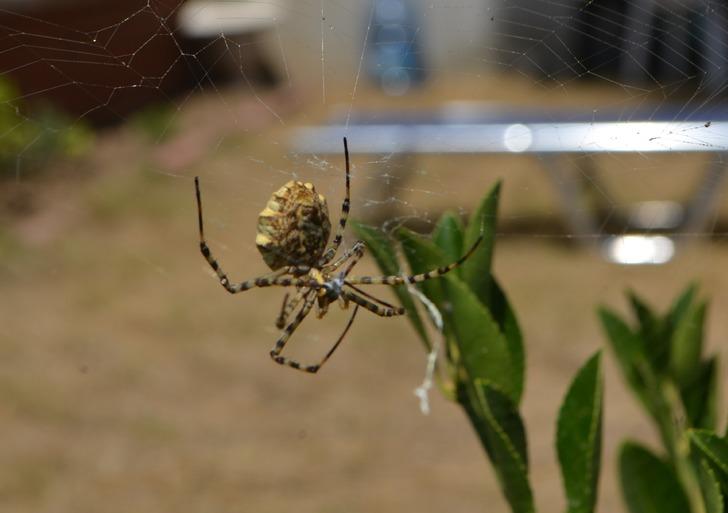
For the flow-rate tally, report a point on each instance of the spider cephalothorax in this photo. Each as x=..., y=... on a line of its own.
x=294, y=226
x=293, y=231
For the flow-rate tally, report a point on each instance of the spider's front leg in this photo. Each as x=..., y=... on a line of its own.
x=356, y=250
x=331, y=252
x=402, y=279
x=276, y=278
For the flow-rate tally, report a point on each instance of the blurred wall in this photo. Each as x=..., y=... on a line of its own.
x=454, y=35
x=102, y=59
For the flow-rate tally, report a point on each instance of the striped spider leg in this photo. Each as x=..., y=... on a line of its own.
x=413, y=278
x=377, y=306
x=275, y=353
x=345, y=206
x=289, y=306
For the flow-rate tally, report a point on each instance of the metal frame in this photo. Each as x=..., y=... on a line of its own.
x=547, y=135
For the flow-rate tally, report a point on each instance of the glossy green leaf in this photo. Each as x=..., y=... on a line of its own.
x=710, y=487
x=579, y=437
x=483, y=349
x=500, y=429
x=687, y=343
x=448, y=236
x=476, y=270
x=381, y=248
x=649, y=484
x=505, y=316
x=714, y=450
x=422, y=256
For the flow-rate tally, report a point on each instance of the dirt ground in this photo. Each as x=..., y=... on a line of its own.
x=130, y=381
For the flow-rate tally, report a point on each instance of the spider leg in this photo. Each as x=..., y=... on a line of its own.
x=358, y=251
x=415, y=278
x=369, y=296
x=346, y=256
x=281, y=319
x=276, y=278
x=275, y=353
x=331, y=252
x=282, y=360
x=322, y=306
x=315, y=368
x=372, y=307
x=289, y=306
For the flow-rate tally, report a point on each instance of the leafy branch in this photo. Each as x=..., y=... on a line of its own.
x=661, y=360
x=484, y=364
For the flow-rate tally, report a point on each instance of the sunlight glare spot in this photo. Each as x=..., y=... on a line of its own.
x=517, y=138
x=639, y=249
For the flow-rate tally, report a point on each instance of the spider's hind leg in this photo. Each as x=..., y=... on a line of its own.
x=281, y=319
x=275, y=353
x=289, y=306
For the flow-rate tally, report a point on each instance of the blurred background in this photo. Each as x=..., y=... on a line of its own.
x=129, y=381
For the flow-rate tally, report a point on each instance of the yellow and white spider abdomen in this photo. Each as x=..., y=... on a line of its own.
x=294, y=226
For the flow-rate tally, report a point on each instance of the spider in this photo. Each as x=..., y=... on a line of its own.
x=292, y=235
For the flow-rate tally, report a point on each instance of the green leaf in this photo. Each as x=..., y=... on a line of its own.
x=500, y=429
x=386, y=257
x=649, y=484
x=483, y=349
x=642, y=311
x=653, y=332
x=476, y=270
x=714, y=450
x=700, y=396
x=422, y=256
x=579, y=437
x=709, y=485
x=448, y=236
x=640, y=375
x=506, y=318
x=687, y=343
x=681, y=305
x=627, y=347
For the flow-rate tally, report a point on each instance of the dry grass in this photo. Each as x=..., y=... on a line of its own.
x=129, y=381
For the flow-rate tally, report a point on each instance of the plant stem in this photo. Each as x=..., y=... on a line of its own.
x=679, y=447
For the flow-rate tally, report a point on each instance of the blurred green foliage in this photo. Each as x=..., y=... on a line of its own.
x=28, y=140
x=661, y=358
x=156, y=122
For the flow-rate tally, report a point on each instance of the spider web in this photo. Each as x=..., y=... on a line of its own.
x=143, y=95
